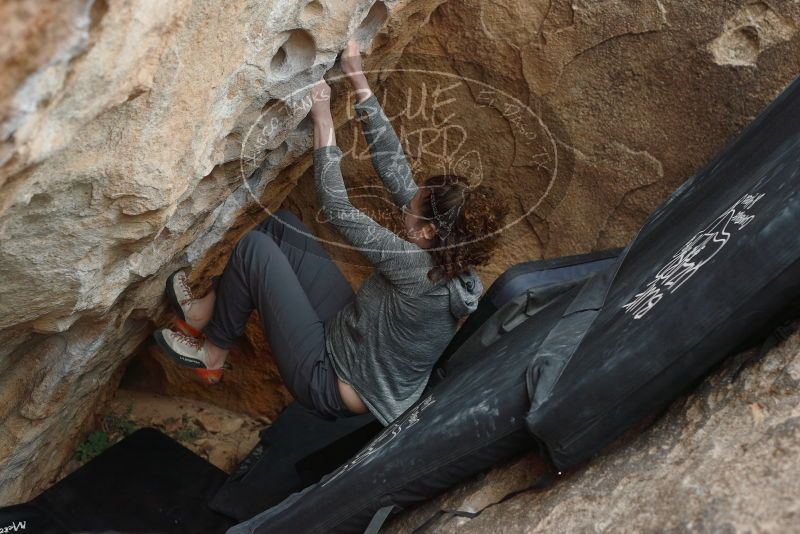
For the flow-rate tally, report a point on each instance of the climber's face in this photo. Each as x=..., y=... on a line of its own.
x=419, y=229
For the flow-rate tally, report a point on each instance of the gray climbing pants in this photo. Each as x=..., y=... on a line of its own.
x=281, y=270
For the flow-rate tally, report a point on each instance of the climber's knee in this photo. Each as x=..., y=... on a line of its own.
x=287, y=217
x=254, y=246
x=281, y=220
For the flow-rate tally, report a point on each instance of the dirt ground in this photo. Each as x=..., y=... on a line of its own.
x=221, y=436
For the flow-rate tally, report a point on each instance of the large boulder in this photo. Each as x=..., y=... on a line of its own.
x=141, y=136
x=134, y=135
x=585, y=114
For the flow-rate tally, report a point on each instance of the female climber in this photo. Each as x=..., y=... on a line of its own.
x=341, y=353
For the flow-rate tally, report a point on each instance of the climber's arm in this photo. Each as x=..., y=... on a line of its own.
x=397, y=259
x=324, y=134
x=393, y=256
x=387, y=153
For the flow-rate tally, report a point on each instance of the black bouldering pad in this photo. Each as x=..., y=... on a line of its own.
x=294, y=452
x=713, y=267
x=529, y=276
x=147, y=482
x=299, y=448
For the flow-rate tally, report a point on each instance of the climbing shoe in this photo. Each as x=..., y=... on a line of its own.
x=179, y=295
x=189, y=351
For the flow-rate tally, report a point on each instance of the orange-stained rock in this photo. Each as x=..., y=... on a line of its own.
x=585, y=115
x=253, y=385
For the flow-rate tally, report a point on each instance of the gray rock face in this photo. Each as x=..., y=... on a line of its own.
x=723, y=459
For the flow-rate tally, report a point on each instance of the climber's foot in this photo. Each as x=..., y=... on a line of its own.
x=203, y=357
x=193, y=314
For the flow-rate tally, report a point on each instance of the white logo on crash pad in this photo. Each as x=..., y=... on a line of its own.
x=693, y=255
x=384, y=438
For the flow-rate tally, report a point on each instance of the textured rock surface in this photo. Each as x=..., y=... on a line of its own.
x=586, y=114
x=130, y=132
x=136, y=135
x=723, y=459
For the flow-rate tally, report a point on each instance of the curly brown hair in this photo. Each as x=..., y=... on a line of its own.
x=468, y=220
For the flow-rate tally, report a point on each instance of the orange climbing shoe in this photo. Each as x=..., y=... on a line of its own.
x=179, y=295
x=191, y=352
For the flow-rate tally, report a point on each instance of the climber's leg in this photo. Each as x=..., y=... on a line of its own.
x=201, y=310
x=327, y=289
x=325, y=286
x=258, y=275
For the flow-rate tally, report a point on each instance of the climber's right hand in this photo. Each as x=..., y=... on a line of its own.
x=351, y=59
x=353, y=68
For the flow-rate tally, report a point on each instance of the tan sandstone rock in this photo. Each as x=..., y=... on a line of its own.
x=584, y=114
x=132, y=136
x=138, y=137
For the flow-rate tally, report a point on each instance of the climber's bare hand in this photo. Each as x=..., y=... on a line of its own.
x=324, y=133
x=320, y=100
x=351, y=59
x=353, y=68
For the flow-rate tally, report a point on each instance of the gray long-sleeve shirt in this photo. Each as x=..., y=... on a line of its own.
x=385, y=343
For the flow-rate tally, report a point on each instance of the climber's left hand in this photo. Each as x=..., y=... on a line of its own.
x=320, y=100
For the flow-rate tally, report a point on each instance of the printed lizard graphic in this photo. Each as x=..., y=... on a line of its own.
x=698, y=251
